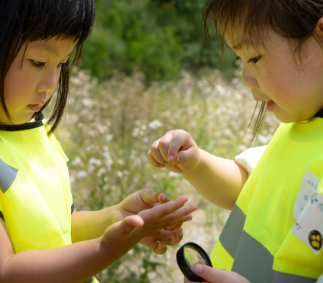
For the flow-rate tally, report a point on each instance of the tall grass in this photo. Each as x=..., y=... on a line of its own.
x=107, y=133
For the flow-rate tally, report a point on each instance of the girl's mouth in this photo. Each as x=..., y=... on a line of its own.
x=34, y=107
x=270, y=105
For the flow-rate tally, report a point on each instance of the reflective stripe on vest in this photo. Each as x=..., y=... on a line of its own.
x=7, y=176
x=251, y=259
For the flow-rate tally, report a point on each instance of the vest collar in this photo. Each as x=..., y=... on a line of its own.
x=28, y=126
x=319, y=114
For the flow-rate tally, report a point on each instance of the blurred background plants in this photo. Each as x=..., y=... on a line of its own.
x=145, y=71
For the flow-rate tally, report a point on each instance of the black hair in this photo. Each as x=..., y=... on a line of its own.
x=24, y=21
x=292, y=19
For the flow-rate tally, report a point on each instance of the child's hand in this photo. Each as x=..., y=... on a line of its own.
x=177, y=151
x=124, y=234
x=157, y=239
x=212, y=275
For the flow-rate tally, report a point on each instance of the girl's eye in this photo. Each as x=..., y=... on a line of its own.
x=254, y=60
x=38, y=64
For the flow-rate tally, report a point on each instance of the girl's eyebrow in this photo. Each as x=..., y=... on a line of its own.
x=238, y=46
x=50, y=49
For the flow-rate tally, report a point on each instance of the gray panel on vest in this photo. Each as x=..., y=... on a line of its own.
x=253, y=260
x=231, y=232
x=280, y=277
x=7, y=175
x=89, y=280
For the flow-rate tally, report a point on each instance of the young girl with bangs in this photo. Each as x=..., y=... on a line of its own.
x=274, y=232
x=42, y=237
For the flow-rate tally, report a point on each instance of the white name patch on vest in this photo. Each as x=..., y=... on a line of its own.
x=308, y=212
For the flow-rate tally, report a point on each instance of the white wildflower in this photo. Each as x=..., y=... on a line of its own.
x=82, y=174
x=94, y=162
x=77, y=161
x=135, y=132
x=108, y=138
x=154, y=125
x=101, y=172
x=119, y=174
x=173, y=174
x=220, y=89
x=87, y=102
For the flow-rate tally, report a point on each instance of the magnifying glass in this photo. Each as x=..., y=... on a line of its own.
x=189, y=255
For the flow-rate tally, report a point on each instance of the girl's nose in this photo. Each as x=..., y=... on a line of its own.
x=48, y=82
x=248, y=80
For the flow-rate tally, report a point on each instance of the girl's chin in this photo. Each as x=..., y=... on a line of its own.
x=16, y=122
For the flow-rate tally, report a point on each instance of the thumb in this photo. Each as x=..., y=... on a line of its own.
x=129, y=223
x=121, y=230
x=187, y=157
x=212, y=275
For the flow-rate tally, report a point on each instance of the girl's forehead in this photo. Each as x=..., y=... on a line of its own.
x=55, y=47
x=238, y=38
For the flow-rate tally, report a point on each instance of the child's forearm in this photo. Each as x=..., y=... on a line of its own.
x=87, y=225
x=218, y=180
x=71, y=264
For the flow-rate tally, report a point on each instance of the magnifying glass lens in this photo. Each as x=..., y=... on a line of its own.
x=189, y=255
x=192, y=257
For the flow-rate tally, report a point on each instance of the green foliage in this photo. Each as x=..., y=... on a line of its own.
x=159, y=37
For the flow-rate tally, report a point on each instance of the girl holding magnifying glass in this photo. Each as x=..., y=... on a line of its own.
x=275, y=230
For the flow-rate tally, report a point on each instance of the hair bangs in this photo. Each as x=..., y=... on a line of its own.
x=58, y=18
x=246, y=18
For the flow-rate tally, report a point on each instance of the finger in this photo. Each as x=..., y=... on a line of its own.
x=162, y=233
x=153, y=161
x=178, y=222
x=154, y=245
x=178, y=141
x=172, y=227
x=148, y=197
x=188, y=281
x=161, y=249
x=156, y=154
x=174, y=240
x=178, y=236
x=154, y=218
x=164, y=144
x=162, y=198
x=175, y=217
x=158, y=212
x=213, y=275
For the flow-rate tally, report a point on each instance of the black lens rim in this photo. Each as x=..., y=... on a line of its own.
x=186, y=270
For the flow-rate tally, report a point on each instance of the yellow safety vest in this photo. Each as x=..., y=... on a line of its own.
x=257, y=241
x=35, y=197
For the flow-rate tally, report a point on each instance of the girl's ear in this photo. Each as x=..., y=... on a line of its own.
x=319, y=29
